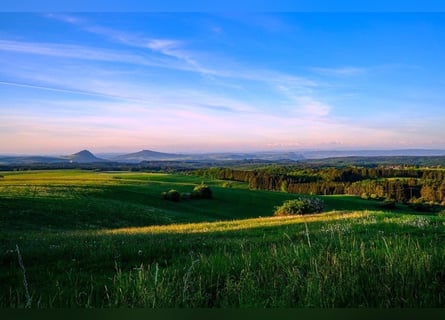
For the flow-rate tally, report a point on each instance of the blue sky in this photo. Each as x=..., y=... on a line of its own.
x=198, y=82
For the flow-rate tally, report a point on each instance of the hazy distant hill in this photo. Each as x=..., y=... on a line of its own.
x=29, y=160
x=149, y=155
x=323, y=154
x=270, y=156
x=84, y=156
x=335, y=157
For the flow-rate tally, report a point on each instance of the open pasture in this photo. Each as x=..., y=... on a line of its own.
x=108, y=239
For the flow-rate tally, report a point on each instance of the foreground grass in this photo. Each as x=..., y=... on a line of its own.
x=337, y=259
x=107, y=240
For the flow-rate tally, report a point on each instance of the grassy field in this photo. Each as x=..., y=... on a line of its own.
x=91, y=239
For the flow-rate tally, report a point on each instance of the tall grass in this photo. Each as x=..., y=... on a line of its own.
x=372, y=260
x=347, y=273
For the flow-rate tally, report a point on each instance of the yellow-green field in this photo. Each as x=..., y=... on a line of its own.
x=96, y=239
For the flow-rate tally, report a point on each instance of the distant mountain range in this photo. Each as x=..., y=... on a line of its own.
x=83, y=156
x=86, y=156
x=29, y=160
x=323, y=154
x=148, y=155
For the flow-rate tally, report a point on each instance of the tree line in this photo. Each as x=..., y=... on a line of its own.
x=402, y=185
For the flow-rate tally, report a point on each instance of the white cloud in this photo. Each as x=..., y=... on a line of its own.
x=303, y=104
x=72, y=51
x=64, y=18
x=171, y=113
x=340, y=72
x=168, y=47
x=314, y=108
x=162, y=45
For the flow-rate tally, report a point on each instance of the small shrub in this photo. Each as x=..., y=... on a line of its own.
x=376, y=197
x=301, y=205
x=202, y=192
x=365, y=196
x=284, y=186
x=171, y=195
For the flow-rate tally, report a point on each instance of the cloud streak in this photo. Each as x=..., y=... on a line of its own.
x=340, y=72
x=62, y=90
x=232, y=71
x=272, y=79
x=157, y=88
x=168, y=47
x=78, y=52
x=173, y=48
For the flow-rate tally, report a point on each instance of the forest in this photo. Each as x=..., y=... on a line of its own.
x=406, y=185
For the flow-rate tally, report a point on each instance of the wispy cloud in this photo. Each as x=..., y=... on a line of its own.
x=303, y=104
x=340, y=71
x=168, y=47
x=314, y=107
x=164, y=100
x=274, y=80
x=62, y=90
x=64, y=18
x=79, y=52
x=161, y=52
x=142, y=110
x=174, y=48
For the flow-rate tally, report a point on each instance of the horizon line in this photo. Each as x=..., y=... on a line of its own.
x=303, y=150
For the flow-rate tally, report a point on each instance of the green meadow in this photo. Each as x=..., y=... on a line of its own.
x=109, y=239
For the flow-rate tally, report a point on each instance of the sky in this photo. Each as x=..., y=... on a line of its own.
x=220, y=81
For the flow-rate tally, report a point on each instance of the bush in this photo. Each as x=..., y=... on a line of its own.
x=171, y=195
x=301, y=205
x=202, y=192
x=365, y=196
x=199, y=192
x=227, y=185
x=374, y=196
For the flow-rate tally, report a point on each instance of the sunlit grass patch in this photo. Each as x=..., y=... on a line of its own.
x=222, y=226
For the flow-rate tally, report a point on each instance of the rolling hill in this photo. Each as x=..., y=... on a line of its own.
x=84, y=156
x=149, y=155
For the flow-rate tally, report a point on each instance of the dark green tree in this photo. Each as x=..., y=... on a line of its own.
x=202, y=192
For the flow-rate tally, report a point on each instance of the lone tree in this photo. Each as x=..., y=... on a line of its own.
x=202, y=192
